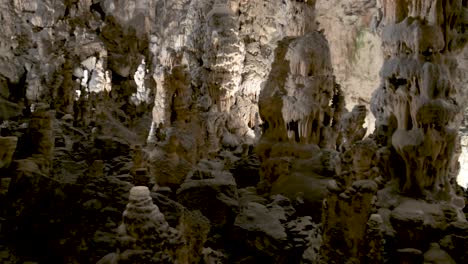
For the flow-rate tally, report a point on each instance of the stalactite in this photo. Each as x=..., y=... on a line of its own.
x=418, y=87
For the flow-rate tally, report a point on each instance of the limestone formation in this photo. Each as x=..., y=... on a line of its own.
x=420, y=94
x=418, y=110
x=236, y=52
x=352, y=28
x=169, y=168
x=301, y=107
x=257, y=223
x=352, y=126
x=229, y=111
x=306, y=234
x=8, y=147
x=349, y=205
x=296, y=101
x=145, y=235
x=211, y=191
x=224, y=62
x=211, y=256
x=437, y=255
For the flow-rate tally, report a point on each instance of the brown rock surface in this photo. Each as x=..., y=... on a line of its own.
x=8, y=147
x=245, y=119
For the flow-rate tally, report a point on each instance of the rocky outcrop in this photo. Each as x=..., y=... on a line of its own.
x=295, y=103
x=8, y=147
x=229, y=112
x=211, y=191
x=144, y=235
x=352, y=29
x=301, y=107
x=41, y=135
x=403, y=178
x=418, y=103
x=349, y=205
x=262, y=230
x=227, y=65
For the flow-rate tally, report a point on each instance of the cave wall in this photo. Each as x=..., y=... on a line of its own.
x=193, y=80
x=105, y=44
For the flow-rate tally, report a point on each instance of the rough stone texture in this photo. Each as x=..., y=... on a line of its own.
x=348, y=206
x=305, y=234
x=353, y=30
x=295, y=103
x=229, y=111
x=8, y=147
x=246, y=171
x=261, y=228
x=144, y=234
x=301, y=106
x=228, y=48
x=419, y=102
x=414, y=150
x=41, y=135
x=211, y=191
x=211, y=256
x=437, y=255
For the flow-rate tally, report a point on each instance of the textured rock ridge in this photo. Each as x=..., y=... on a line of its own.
x=8, y=149
x=220, y=131
x=353, y=29
x=349, y=205
x=301, y=106
x=227, y=64
x=401, y=182
x=296, y=101
x=419, y=104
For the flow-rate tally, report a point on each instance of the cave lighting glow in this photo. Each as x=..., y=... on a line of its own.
x=463, y=175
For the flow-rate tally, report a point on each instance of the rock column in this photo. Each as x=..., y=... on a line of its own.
x=419, y=103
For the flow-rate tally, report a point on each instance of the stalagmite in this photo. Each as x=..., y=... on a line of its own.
x=259, y=147
x=145, y=234
x=418, y=86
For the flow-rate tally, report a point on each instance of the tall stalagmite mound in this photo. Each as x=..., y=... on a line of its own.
x=399, y=196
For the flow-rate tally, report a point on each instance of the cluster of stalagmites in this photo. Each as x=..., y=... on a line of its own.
x=387, y=198
x=413, y=154
x=226, y=47
x=396, y=199
x=419, y=104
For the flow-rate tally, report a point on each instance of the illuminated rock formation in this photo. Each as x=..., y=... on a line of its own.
x=352, y=126
x=245, y=106
x=236, y=54
x=296, y=101
x=352, y=28
x=403, y=186
x=349, y=205
x=419, y=103
x=225, y=59
x=300, y=106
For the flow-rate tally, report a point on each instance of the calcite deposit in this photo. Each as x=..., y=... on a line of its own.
x=418, y=82
x=8, y=149
x=145, y=235
x=233, y=131
x=418, y=110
